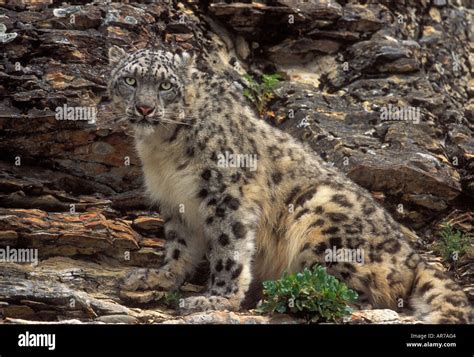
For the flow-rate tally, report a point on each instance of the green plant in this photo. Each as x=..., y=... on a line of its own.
x=312, y=294
x=452, y=244
x=261, y=93
x=171, y=299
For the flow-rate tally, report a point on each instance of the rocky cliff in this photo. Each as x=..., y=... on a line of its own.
x=381, y=89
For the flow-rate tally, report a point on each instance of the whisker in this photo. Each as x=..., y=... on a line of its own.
x=181, y=120
x=120, y=120
x=188, y=120
x=174, y=122
x=166, y=119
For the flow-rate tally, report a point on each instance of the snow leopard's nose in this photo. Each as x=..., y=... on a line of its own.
x=144, y=109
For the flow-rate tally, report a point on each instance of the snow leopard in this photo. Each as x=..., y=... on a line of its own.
x=255, y=201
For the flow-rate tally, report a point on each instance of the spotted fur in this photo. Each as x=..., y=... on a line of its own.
x=255, y=223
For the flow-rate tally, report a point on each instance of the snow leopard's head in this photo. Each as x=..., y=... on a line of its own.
x=149, y=86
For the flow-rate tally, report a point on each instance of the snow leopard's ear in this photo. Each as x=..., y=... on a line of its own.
x=184, y=59
x=116, y=54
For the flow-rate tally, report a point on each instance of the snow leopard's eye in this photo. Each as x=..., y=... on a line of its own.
x=130, y=81
x=165, y=86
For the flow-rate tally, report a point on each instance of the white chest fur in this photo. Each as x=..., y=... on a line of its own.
x=175, y=190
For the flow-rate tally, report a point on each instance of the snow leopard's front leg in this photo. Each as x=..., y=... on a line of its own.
x=183, y=251
x=232, y=233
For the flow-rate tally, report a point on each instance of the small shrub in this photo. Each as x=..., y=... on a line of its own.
x=261, y=93
x=452, y=244
x=312, y=294
x=171, y=299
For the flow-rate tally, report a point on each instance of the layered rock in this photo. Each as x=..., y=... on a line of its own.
x=383, y=91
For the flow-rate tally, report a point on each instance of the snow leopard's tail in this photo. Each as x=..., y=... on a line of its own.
x=437, y=299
